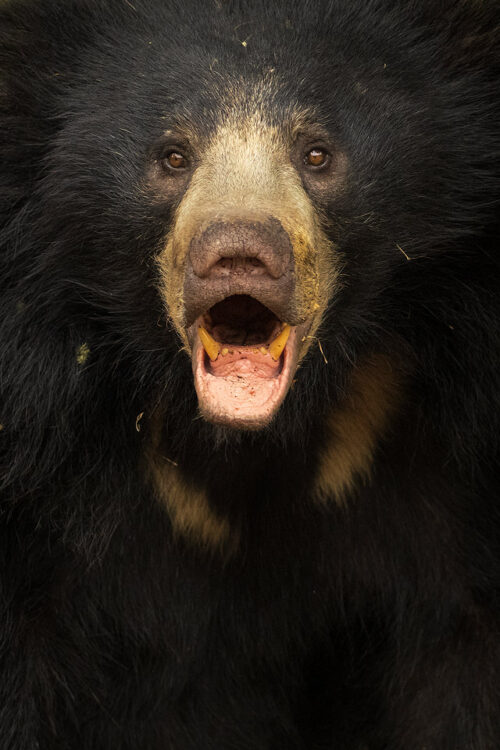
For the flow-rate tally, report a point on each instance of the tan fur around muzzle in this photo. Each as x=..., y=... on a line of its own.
x=245, y=173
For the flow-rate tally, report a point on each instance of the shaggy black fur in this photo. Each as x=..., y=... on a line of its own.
x=373, y=625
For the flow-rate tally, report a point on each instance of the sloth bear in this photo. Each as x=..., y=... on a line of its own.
x=249, y=375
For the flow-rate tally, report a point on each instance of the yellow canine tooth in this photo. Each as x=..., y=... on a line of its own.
x=276, y=347
x=210, y=345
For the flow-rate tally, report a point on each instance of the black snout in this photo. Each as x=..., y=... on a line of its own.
x=239, y=257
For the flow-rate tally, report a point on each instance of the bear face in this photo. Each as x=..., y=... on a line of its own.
x=244, y=134
x=246, y=262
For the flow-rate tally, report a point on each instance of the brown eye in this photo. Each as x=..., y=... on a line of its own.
x=175, y=160
x=316, y=157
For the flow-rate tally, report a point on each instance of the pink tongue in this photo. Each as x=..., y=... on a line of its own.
x=246, y=362
x=244, y=387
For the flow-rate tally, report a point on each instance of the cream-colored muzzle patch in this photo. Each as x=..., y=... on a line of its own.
x=245, y=173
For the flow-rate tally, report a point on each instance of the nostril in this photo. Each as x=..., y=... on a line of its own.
x=238, y=265
x=241, y=248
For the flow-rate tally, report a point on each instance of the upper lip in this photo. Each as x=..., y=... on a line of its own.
x=198, y=299
x=252, y=258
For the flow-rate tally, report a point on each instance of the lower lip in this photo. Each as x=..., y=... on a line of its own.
x=243, y=401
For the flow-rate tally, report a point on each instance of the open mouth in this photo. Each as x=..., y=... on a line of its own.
x=244, y=359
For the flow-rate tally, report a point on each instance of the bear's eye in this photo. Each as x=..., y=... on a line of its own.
x=316, y=157
x=174, y=160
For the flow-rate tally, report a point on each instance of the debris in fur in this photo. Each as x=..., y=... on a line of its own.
x=82, y=354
